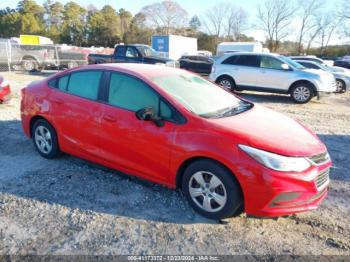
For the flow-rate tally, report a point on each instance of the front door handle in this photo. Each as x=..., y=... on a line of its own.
x=109, y=118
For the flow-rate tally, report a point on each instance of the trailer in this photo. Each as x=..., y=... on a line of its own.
x=174, y=46
x=230, y=47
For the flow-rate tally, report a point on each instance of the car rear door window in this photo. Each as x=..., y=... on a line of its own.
x=120, y=51
x=85, y=84
x=62, y=83
x=231, y=60
x=270, y=63
x=247, y=60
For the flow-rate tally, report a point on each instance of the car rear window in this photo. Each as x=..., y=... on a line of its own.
x=247, y=60
x=85, y=84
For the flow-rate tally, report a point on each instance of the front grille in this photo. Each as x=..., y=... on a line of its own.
x=322, y=179
x=320, y=158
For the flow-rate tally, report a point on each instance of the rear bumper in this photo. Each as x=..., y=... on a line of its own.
x=5, y=95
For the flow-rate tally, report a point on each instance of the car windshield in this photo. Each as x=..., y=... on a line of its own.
x=200, y=96
x=292, y=63
x=147, y=51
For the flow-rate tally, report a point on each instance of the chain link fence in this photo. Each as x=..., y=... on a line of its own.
x=31, y=58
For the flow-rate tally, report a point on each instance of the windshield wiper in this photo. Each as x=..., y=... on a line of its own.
x=229, y=111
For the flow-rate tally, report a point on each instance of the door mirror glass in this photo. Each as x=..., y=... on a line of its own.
x=148, y=114
x=285, y=67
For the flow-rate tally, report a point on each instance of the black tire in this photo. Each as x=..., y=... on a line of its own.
x=341, y=86
x=232, y=190
x=227, y=83
x=30, y=65
x=72, y=64
x=54, y=150
x=302, y=93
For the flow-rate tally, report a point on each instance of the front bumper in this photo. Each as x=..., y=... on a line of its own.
x=269, y=193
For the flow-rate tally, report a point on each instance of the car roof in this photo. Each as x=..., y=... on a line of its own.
x=140, y=70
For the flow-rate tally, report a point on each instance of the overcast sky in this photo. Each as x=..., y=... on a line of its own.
x=193, y=7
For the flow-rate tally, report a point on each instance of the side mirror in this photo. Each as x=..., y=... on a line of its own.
x=285, y=67
x=148, y=114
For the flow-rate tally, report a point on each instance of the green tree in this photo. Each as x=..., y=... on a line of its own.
x=125, y=21
x=10, y=23
x=53, y=19
x=138, y=32
x=32, y=17
x=73, y=26
x=104, y=27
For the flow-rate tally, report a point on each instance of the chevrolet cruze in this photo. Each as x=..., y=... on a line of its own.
x=174, y=128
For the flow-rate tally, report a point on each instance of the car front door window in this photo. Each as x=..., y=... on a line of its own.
x=270, y=63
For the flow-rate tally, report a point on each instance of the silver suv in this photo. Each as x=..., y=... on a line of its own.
x=271, y=73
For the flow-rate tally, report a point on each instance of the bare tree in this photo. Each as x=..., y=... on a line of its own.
x=328, y=22
x=237, y=22
x=308, y=9
x=165, y=16
x=225, y=19
x=274, y=18
x=214, y=18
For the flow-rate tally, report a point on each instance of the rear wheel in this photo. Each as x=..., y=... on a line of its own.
x=211, y=190
x=302, y=93
x=341, y=87
x=30, y=65
x=45, y=139
x=227, y=83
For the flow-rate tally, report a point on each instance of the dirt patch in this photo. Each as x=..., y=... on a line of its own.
x=70, y=206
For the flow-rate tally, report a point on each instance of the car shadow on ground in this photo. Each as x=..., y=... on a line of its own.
x=75, y=183
x=266, y=97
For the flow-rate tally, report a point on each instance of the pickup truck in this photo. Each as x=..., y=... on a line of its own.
x=132, y=54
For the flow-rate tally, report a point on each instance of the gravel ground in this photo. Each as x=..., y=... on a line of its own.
x=70, y=206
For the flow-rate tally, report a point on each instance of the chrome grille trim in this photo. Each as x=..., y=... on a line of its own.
x=322, y=179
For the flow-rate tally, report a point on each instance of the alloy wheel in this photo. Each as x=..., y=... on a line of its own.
x=43, y=140
x=226, y=84
x=207, y=191
x=302, y=93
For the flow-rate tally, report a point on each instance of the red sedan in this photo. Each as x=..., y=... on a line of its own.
x=5, y=90
x=177, y=129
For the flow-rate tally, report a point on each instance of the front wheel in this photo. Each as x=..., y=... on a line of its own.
x=302, y=93
x=211, y=190
x=227, y=83
x=45, y=139
x=30, y=65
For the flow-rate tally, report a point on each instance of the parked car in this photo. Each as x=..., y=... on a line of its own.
x=313, y=59
x=270, y=73
x=175, y=128
x=342, y=63
x=196, y=63
x=132, y=54
x=29, y=57
x=5, y=91
x=342, y=79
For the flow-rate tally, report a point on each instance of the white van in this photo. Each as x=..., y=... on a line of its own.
x=231, y=47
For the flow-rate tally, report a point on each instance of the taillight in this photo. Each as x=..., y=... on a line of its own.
x=4, y=84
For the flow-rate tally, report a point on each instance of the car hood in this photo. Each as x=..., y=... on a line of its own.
x=271, y=131
x=317, y=72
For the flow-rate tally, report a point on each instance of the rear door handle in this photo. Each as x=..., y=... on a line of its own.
x=109, y=118
x=57, y=100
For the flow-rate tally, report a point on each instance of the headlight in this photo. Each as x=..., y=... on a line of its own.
x=213, y=69
x=277, y=162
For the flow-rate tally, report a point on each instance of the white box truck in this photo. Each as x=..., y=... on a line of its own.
x=230, y=47
x=174, y=46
